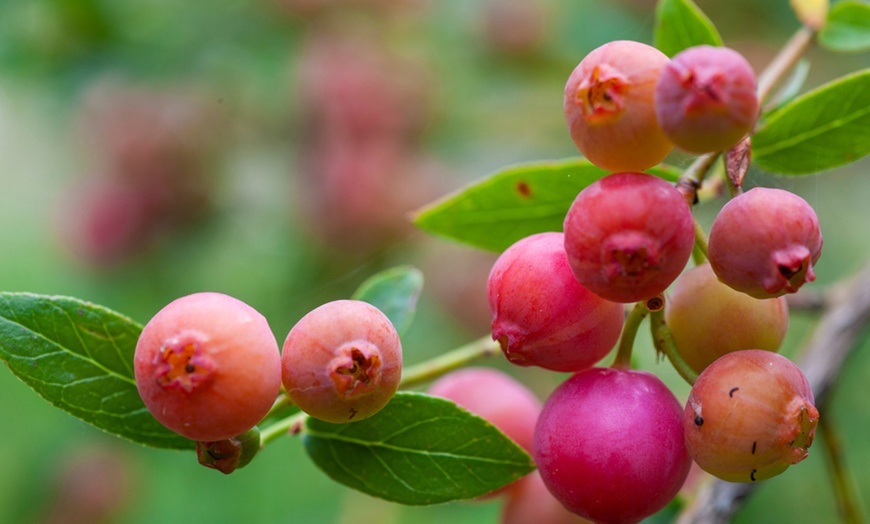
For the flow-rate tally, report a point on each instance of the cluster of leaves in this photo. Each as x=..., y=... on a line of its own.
x=419, y=449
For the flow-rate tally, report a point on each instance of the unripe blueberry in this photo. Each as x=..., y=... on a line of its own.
x=609, y=106
x=628, y=236
x=609, y=444
x=750, y=416
x=342, y=362
x=529, y=501
x=709, y=319
x=706, y=99
x=541, y=315
x=207, y=367
x=765, y=242
x=495, y=396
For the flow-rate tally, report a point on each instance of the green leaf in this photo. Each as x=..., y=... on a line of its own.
x=79, y=357
x=822, y=129
x=395, y=292
x=681, y=24
x=418, y=450
x=847, y=28
x=514, y=203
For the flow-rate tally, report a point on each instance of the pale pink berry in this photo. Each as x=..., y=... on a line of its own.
x=609, y=106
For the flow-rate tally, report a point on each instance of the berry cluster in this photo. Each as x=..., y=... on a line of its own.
x=614, y=444
x=208, y=367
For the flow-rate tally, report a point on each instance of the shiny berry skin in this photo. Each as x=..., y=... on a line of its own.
x=765, y=242
x=342, y=362
x=207, y=366
x=609, y=444
x=541, y=315
x=628, y=236
x=750, y=416
x=609, y=106
x=706, y=99
x=709, y=319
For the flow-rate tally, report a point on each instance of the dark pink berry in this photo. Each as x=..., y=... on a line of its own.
x=706, y=99
x=609, y=106
x=207, y=366
x=342, y=362
x=628, y=236
x=609, y=444
x=765, y=242
x=750, y=416
x=541, y=315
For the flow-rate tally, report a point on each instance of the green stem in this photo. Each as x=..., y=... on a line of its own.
x=457, y=358
x=283, y=401
x=693, y=177
x=664, y=343
x=292, y=424
x=843, y=486
x=699, y=252
x=629, y=333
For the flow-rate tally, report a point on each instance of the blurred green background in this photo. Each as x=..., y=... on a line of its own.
x=272, y=150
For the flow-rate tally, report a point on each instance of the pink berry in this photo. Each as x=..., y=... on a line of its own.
x=541, y=315
x=709, y=319
x=207, y=366
x=342, y=362
x=529, y=501
x=609, y=106
x=495, y=396
x=706, y=99
x=750, y=416
x=628, y=236
x=765, y=242
x=609, y=444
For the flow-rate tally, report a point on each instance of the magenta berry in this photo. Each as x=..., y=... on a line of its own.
x=765, y=242
x=495, y=396
x=628, y=236
x=709, y=319
x=609, y=444
x=342, y=361
x=541, y=315
x=750, y=416
x=609, y=106
x=207, y=366
x=706, y=99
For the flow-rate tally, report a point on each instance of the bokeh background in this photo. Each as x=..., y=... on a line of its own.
x=273, y=150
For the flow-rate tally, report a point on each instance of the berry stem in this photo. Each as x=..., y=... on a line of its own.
x=784, y=61
x=699, y=253
x=843, y=485
x=693, y=177
x=455, y=359
x=629, y=333
x=664, y=343
x=292, y=424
